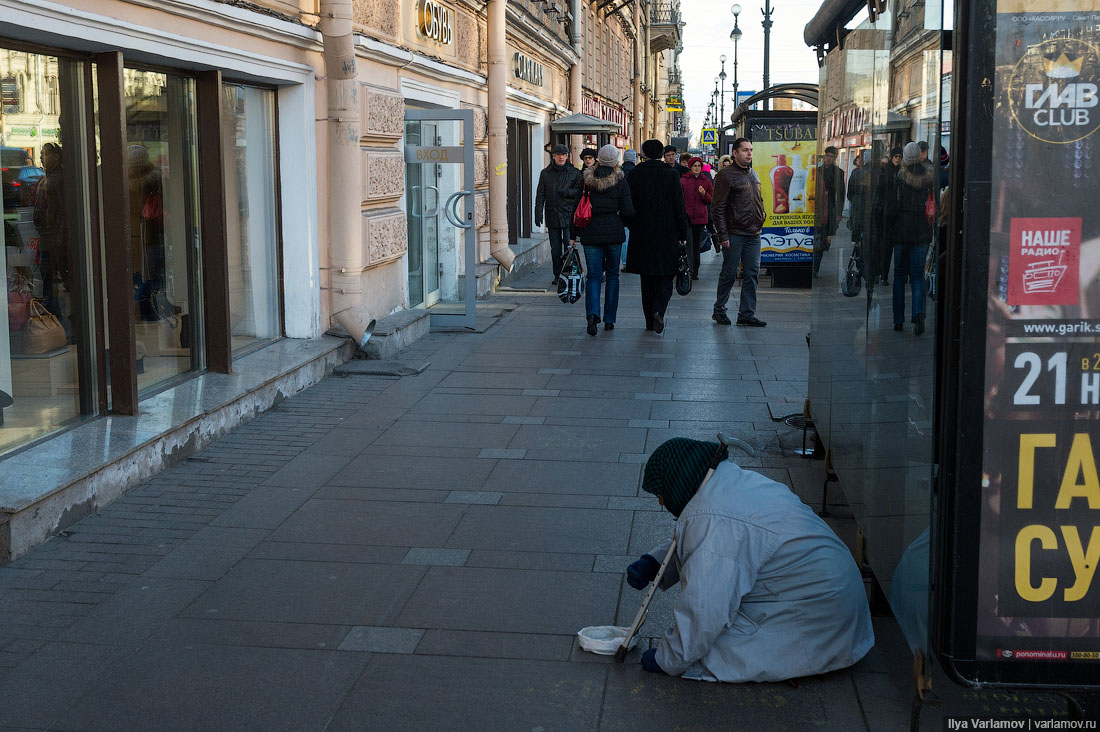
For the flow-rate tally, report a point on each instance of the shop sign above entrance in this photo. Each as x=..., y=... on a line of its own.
x=527, y=69
x=433, y=20
x=434, y=154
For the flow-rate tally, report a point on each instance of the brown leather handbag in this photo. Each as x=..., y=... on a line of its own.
x=43, y=331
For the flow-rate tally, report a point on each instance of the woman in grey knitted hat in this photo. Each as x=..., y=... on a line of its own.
x=604, y=236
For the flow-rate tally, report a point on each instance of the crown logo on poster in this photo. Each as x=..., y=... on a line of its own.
x=1062, y=67
x=1053, y=91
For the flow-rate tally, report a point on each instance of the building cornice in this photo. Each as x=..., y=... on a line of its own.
x=533, y=30
x=240, y=19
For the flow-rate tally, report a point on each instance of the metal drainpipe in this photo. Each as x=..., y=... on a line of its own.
x=344, y=163
x=498, y=136
x=576, y=75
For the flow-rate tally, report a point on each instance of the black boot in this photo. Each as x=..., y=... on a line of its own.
x=918, y=321
x=593, y=321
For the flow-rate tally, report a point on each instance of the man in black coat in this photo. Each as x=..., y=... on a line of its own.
x=659, y=224
x=558, y=193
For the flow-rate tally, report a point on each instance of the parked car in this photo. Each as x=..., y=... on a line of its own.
x=19, y=185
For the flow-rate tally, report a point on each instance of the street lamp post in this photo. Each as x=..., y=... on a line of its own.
x=767, y=23
x=735, y=36
x=722, y=97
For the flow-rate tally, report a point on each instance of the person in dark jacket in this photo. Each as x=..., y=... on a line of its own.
x=859, y=196
x=830, y=201
x=659, y=224
x=911, y=232
x=588, y=158
x=738, y=213
x=698, y=190
x=604, y=235
x=630, y=160
x=883, y=211
x=558, y=192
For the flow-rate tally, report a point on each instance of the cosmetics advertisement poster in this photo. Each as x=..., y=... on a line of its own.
x=1038, y=589
x=784, y=157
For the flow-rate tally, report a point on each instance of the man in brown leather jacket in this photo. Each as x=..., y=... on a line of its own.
x=738, y=215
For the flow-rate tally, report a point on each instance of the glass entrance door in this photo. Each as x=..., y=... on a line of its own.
x=439, y=184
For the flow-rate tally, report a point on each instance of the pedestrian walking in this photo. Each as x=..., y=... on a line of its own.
x=671, y=156
x=660, y=223
x=603, y=237
x=630, y=160
x=859, y=196
x=912, y=233
x=884, y=210
x=738, y=214
x=588, y=158
x=557, y=195
x=698, y=192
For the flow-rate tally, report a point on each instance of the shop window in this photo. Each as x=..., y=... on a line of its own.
x=47, y=357
x=165, y=242
x=248, y=139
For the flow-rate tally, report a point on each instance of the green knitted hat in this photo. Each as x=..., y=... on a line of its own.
x=675, y=470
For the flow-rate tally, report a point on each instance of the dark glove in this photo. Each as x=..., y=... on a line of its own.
x=641, y=573
x=649, y=662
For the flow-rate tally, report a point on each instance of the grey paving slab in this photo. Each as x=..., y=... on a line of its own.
x=381, y=639
x=586, y=406
x=265, y=507
x=343, y=441
x=479, y=644
x=602, y=384
x=427, y=470
x=309, y=592
x=374, y=523
x=429, y=435
x=484, y=498
x=524, y=420
x=473, y=694
x=556, y=500
x=548, y=476
x=587, y=531
x=208, y=554
x=541, y=392
x=218, y=687
x=511, y=601
x=316, y=552
x=565, y=439
x=207, y=631
x=666, y=702
x=308, y=470
x=466, y=380
x=473, y=404
x=498, y=559
x=650, y=529
x=436, y=557
x=136, y=611
x=358, y=493
x=38, y=691
x=504, y=453
x=710, y=411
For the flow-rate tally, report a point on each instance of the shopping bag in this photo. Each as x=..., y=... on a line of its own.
x=571, y=280
x=930, y=209
x=683, y=269
x=853, y=275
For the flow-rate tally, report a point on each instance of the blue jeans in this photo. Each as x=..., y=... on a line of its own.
x=603, y=263
x=743, y=250
x=909, y=260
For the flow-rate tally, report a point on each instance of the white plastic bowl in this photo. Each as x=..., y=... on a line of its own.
x=604, y=639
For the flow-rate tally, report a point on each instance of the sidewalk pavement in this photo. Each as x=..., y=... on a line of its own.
x=418, y=552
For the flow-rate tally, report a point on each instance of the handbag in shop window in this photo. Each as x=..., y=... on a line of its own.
x=43, y=331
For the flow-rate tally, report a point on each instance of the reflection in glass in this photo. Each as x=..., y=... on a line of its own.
x=248, y=137
x=164, y=229
x=872, y=388
x=45, y=360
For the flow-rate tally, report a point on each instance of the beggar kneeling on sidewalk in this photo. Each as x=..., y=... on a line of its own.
x=768, y=591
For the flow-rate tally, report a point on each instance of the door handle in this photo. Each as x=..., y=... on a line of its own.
x=416, y=205
x=435, y=211
x=450, y=210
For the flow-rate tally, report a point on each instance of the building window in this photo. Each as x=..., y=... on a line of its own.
x=47, y=356
x=165, y=240
x=248, y=139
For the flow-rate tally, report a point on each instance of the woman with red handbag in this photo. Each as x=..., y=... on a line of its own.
x=912, y=233
x=606, y=205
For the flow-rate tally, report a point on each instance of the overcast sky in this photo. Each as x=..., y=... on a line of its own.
x=707, y=36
